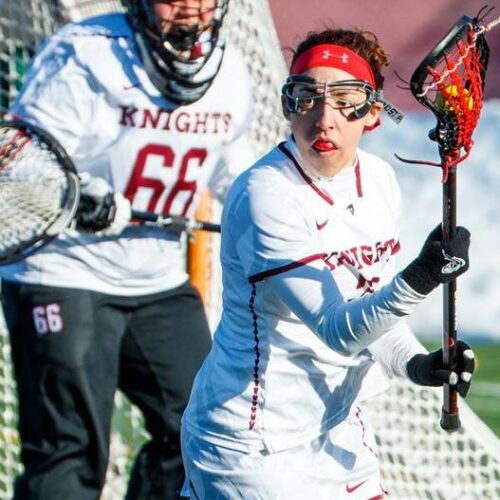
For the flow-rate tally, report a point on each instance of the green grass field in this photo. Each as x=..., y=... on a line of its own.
x=484, y=395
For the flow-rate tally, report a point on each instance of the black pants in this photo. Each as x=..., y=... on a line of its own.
x=71, y=350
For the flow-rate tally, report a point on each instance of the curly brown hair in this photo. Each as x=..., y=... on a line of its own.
x=364, y=43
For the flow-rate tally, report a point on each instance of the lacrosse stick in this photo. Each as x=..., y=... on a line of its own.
x=450, y=82
x=40, y=193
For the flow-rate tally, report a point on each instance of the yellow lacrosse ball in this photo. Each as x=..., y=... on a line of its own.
x=452, y=90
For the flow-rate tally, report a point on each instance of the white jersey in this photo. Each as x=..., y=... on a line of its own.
x=88, y=88
x=295, y=351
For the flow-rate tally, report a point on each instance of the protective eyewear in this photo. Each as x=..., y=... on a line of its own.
x=352, y=97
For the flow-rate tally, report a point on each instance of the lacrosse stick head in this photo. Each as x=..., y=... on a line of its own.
x=39, y=190
x=450, y=82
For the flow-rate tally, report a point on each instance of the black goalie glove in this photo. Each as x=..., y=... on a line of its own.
x=439, y=261
x=428, y=369
x=100, y=210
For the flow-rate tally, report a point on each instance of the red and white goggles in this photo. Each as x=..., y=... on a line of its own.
x=354, y=98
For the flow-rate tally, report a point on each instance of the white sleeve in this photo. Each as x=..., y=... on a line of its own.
x=238, y=154
x=236, y=158
x=311, y=293
x=268, y=235
x=394, y=349
x=54, y=94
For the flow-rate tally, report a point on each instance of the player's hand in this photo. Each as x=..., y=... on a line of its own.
x=428, y=369
x=439, y=261
x=100, y=210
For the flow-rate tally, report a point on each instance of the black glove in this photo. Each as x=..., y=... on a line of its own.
x=100, y=210
x=428, y=369
x=439, y=261
x=95, y=215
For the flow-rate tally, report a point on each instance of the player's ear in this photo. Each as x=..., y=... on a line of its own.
x=372, y=118
x=284, y=108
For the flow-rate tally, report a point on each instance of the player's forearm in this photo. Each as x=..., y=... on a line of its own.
x=346, y=327
x=352, y=326
x=396, y=347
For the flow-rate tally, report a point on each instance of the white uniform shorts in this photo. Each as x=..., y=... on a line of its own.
x=340, y=464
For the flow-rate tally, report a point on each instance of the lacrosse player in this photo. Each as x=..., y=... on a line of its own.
x=313, y=309
x=152, y=107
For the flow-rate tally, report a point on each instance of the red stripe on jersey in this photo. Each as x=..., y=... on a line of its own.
x=308, y=180
x=256, y=381
x=287, y=267
x=363, y=431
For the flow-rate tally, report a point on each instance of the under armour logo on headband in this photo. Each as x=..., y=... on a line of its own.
x=335, y=56
x=327, y=55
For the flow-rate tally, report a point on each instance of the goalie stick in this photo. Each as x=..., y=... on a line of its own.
x=40, y=193
x=450, y=82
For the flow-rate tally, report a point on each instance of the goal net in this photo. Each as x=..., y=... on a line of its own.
x=419, y=460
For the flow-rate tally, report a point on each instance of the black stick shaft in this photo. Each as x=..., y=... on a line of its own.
x=450, y=420
x=174, y=221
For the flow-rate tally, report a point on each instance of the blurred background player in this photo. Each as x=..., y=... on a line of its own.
x=152, y=107
x=312, y=305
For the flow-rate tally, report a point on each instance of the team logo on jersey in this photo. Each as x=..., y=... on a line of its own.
x=364, y=255
x=453, y=265
x=183, y=121
x=350, y=208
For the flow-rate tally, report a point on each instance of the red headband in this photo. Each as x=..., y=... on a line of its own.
x=334, y=56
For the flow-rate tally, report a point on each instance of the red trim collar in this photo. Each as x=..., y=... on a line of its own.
x=308, y=180
x=357, y=172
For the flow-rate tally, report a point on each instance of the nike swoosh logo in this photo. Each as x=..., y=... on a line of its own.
x=350, y=489
x=320, y=226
